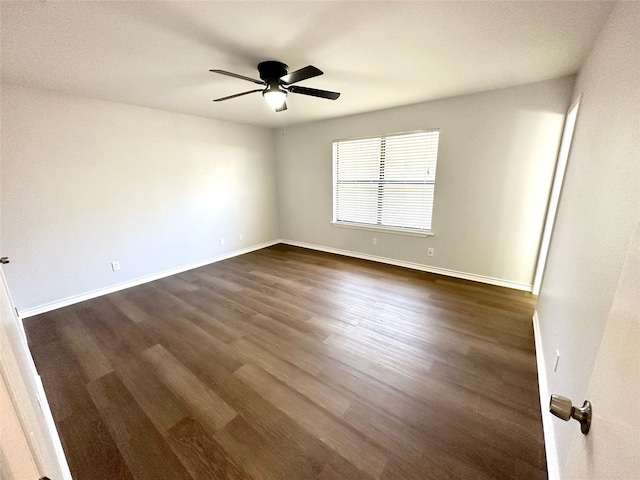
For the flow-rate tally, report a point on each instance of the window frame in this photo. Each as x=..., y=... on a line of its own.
x=415, y=232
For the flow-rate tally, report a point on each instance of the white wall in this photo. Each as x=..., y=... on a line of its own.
x=598, y=214
x=495, y=164
x=87, y=182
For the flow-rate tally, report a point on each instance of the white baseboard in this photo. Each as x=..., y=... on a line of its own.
x=553, y=468
x=415, y=266
x=30, y=312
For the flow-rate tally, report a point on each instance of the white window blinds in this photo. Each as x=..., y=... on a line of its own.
x=386, y=182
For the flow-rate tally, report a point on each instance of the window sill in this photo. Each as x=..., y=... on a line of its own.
x=398, y=231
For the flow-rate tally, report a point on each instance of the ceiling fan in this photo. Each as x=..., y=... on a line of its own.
x=279, y=83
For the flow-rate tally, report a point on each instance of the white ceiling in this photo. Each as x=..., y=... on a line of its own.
x=377, y=54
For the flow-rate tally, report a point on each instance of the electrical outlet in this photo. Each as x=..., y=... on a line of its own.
x=374, y=241
x=429, y=252
x=115, y=266
x=240, y=236
x=222, y=241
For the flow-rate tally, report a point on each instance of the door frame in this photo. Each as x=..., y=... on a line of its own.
x=564, y=151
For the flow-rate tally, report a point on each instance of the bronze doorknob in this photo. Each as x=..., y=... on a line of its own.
x=563, y=408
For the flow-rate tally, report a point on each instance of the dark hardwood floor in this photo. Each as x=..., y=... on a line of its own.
x=287, y=363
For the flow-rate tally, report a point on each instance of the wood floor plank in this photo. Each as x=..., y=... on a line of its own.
x=159, y=404
x=216, y=305
x=201, y=454
x=202, y=319
x=397, y=469
x=128, y=307
x=290, y=364
x=140, y=444
x=453, y=455
x=285, y=447
x=89, y=448
x=383, y=354
x=62, y=378
x=273, y=294
x=183, y=339
x=218, y=282
x=305, y=384
x=366, y=456
x=261, y=304
x=38, y=329
x=180, y=282
x=116, y=334
x=261, y=458
x=282, y=442
x=85, y=348
x=205, y=404
x=267, y=277
x=505, y=429
x=293, y=354
x=494, y=389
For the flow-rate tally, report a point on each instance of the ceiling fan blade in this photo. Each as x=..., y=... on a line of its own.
x=314, y=92
x=235, y=75
x=302, y=74
x=282, y=108
x=237, y=95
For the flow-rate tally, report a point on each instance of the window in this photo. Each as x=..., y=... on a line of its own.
x=386, y=182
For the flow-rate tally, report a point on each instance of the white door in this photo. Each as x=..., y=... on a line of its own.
x=16, y=459
x=29, y=444
x=611, y=450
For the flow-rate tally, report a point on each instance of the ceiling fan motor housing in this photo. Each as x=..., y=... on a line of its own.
x=271, y=71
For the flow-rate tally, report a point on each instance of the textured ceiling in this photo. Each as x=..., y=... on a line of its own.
x=377, y=54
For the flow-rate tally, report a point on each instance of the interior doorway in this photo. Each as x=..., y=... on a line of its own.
x=554, y=196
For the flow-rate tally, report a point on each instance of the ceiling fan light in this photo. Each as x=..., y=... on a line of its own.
x=275, y=97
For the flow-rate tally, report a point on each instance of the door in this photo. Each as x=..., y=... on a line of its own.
x=612, y=448
x=16, y=459
x=30, y=446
